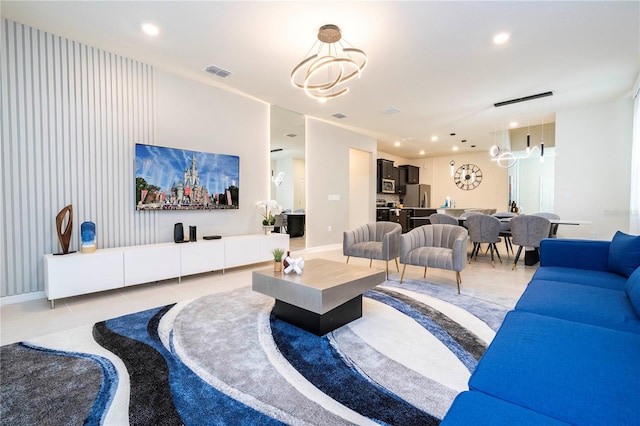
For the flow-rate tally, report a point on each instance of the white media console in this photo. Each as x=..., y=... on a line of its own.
x=106, y=269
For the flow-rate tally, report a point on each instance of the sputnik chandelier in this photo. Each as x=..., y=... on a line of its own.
x=322, y=74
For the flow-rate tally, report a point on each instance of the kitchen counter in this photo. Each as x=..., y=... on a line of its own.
x=458, y=212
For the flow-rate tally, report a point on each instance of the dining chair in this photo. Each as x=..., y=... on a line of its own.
x=505, y=229
x=444, y=219
x=528, y=231
x=484, y=229
x=554, y=226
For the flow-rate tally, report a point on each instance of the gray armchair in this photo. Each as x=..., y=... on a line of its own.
x=379, y=240
x=528, y=231
x=438, y=246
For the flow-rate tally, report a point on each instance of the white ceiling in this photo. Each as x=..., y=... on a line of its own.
x=434, y=61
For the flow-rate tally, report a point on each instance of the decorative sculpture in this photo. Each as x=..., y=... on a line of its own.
x=294, y=265
x=65, y=236
x=88, y=237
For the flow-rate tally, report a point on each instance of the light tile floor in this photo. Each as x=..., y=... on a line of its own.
x=26, y=320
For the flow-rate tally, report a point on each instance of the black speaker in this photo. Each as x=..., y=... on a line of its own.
x=192, y=234
x=178, y=233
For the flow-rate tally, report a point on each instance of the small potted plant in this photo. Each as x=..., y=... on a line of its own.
x=277, y=259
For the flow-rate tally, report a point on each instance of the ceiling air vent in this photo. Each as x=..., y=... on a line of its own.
x=220, y=72
x=338, y=115
x=390, y=111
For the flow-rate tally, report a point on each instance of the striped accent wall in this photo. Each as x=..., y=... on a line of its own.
x=71, y=115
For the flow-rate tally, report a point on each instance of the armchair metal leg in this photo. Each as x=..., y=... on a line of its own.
x=425, y=272
x=458, y=280
x=402, y=276
x=370, y=262
x=397, y=267
x=348, y=259
x=387, y=269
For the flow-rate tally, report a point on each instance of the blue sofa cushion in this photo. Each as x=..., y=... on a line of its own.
x=581, y=276
x=478, y=409
x=632, y=288
x=577, y=373
x=624, y=253
x=571, y=253
x=580, y=303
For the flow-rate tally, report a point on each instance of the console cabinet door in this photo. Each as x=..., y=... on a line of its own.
x=201, y=256
x=81, y=273
x=155, y=262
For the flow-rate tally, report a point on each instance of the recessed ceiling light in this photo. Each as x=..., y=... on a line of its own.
x=150, y=29
x=455, y=148
x=513, y=124
x=396, y=143
x=421, y=152
x=434, y=138
x=501, y=38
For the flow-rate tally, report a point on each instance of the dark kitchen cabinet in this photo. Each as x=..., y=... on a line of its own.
x=396, y=177
x=385, y=169
x=401, y=183
x=412, y=173
x=402, y=217
x=382, y=215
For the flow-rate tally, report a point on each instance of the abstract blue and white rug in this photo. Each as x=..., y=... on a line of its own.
x=224, y=359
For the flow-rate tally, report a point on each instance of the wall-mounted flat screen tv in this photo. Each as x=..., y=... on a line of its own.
x=179, y=179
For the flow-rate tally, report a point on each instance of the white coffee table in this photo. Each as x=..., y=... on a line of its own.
x=327, y=294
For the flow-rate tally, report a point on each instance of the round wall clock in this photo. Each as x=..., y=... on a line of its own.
x=468, y=176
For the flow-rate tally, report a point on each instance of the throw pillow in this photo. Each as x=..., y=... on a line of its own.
x=632, y=288
x=624, y=254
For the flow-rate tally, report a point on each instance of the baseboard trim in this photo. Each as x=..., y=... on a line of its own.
x=322, y=248
x=24, y=297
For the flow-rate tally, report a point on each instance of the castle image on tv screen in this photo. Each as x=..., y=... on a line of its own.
x=178, y=179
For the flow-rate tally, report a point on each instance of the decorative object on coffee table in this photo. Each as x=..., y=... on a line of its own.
x=88, y=237
x=294, y=265
x=64, y=236
x=277, y=259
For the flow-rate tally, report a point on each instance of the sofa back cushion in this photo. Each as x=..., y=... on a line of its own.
x=624, y=254
x=632, y=287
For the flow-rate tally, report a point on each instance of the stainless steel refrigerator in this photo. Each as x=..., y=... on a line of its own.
x=417, y=195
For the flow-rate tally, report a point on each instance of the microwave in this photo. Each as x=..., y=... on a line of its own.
x=389, y=186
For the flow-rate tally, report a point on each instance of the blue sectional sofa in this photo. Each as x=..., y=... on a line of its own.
x=569, y=353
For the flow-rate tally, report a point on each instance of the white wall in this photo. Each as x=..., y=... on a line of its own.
x=192, y=115
x=592, y=177
x=491, y=193
x=359, y=177
x=327, y=163
x=530, y=172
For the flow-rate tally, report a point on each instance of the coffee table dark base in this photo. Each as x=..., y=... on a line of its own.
x=316, y=323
